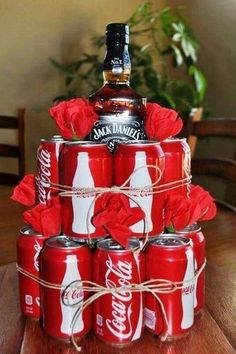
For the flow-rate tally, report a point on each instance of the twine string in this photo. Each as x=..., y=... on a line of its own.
x=153, y=286
x=130, y=192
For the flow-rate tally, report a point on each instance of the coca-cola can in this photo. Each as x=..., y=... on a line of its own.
x=194, y=233
x=85, y=165
x=177, y=171
x=48, y=168
x=65, y=263
x=140, y=166
x=29, y=245
x=118, y=316
x=170, y=257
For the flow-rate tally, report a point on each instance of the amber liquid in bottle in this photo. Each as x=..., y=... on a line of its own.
x=120, y=109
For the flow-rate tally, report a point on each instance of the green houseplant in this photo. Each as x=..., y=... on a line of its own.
x=169, y=47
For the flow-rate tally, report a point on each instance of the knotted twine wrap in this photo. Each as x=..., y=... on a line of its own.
x=69, y=191
x=153, y=286
x=164, y=286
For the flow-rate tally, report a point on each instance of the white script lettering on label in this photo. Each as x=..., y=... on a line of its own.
x=120, y=322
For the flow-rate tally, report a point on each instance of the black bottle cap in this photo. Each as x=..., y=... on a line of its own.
x=117, y=33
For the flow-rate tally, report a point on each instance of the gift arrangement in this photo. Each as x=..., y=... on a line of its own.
x=112, y=242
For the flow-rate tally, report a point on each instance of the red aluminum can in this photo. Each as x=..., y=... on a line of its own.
x=194, y=233
x=177, y=165
x=170, y=257
x=29, y=245
x=118, y=317
x=132, y=159
x=84, y=165
x=62, y=262
x=48, y=167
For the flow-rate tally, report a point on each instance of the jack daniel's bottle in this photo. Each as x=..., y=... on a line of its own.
x=120, y=109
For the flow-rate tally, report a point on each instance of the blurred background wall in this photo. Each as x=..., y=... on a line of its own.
x=31, y=32
x=34, y=30
x=213, y=23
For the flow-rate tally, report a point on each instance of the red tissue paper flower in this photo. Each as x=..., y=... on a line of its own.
x=24, y=192
x=161, y=123
x=205, y=202
x=180, y=211
x=116, y=216
x=74, y=118
x=45, y=219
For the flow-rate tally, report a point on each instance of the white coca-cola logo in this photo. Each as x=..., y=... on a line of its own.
x=37, y=249
x=120, y=323
x=44, y=174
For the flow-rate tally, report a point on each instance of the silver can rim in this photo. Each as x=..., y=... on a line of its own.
x=116, y=247
x=183, y=241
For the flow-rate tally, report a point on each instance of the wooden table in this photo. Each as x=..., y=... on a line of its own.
x=214, y=330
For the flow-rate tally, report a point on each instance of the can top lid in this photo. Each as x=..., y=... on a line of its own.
x=55, y=138
x=29, y=231
x=189, y=228
x=139, y=142
x=170, y=240
x=64, y=242
x=113, y=246
x=173, y=140
x=86, y=143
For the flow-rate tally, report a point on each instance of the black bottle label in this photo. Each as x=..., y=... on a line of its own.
x=113, y=129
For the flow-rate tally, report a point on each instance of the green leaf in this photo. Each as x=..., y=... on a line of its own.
x=183, y=94
x=178, y=55
x=63, y=67
x=151, y=78
x=188, y=49
x=136, y=80
x=200, y=81
x=69, y=79
x=163, y=98
x=170, y=229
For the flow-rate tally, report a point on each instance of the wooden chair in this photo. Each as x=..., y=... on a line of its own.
x=18, y=151
x=223, y=168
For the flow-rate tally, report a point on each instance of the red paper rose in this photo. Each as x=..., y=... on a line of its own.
x=74, y=118
x=161, y=123
x=24, y=192
x=205, y=202
x=45, y=219
x=180, y=211
x=116, y=216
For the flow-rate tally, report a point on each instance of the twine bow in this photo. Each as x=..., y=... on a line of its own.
x=130, y=192
x=153, y=286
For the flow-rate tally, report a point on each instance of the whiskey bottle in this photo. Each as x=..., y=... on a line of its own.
x=120, y=109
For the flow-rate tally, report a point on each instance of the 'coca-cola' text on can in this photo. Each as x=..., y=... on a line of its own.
x=29, y=245
x=170, y=257
x=194, y=233
x=64, y=261
x=118, y=317
x=133, y=160
x=48, y=168
x=177, y=165
x=84, y=165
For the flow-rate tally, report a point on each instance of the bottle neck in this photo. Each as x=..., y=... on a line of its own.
x=117, y=66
